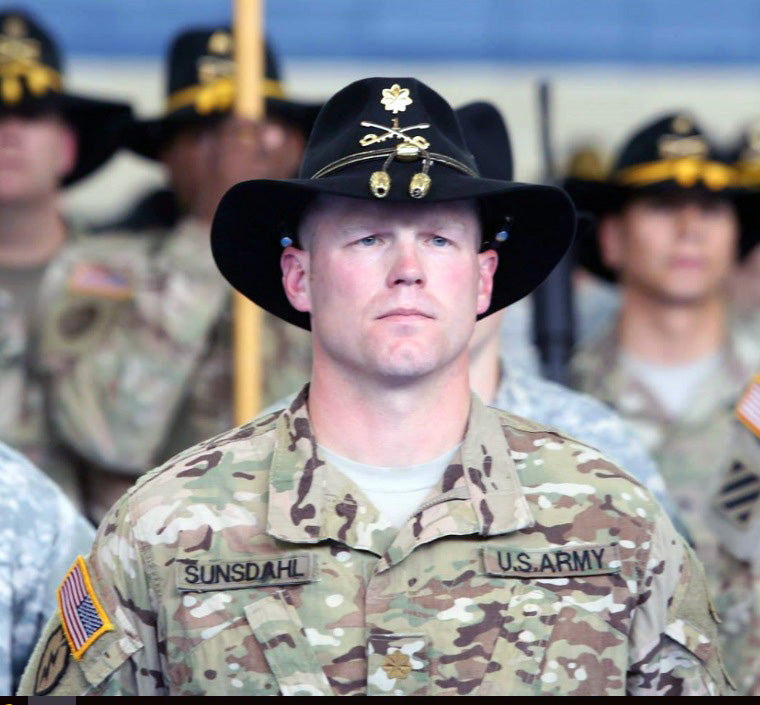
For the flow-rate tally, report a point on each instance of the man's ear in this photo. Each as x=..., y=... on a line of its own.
x=611, y=244
x=295, y=277
x=488, y=261
x=68, y=149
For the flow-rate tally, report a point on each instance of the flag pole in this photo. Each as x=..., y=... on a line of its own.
x=249, y=104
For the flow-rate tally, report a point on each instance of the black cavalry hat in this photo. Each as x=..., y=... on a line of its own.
x=670, y=156
x=200, y=89
x=31, y=83
x=394, y=139
x=487, y=137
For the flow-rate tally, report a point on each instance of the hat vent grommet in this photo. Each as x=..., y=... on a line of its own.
x=503, y=234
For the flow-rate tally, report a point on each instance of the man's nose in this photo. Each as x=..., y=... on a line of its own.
x=691, y=221
x=406, y=266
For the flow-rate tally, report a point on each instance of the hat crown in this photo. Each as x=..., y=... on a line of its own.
x=487, y=137
x=384, y=113
x=669, y=137
x=202, y=55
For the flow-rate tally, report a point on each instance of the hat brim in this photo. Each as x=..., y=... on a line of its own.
x=148, y=138
x=253, y=216
x=99, y=126
x=595, y=199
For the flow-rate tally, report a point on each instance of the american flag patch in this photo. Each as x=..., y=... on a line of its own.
x=748, y=409
x=97, y=280
x=82, y=615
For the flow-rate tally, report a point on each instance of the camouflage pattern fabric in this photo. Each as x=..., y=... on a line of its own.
x=40, y=535
x=581, y=416
x=693, y=453
x=24, y=420
x=536, y=566
x=137, y=347
x=587, y=419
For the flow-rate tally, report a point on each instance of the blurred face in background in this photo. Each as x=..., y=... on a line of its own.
x=205, y=161
x=673, y=249
x=36, y=152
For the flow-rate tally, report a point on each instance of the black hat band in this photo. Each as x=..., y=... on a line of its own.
x=685, y=171
x=380, y=181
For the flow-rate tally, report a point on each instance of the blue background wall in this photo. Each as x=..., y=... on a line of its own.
x=518, y=31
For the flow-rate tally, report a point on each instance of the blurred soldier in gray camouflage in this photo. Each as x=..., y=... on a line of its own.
x=48, y=139
x=387, y=533
x=677, y=360
x=138, y=333
x=40, y=535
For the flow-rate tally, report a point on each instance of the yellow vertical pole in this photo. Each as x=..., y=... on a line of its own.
x=249, y=104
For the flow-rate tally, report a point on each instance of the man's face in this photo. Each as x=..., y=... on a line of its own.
x=393, y=289
x=35, y=154
x=204, y=162
x=676, y=250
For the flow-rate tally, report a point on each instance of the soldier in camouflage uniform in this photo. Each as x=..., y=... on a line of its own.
x=40, y=534
x=49, y=138
x=251, y=565
x=138, y=331
x=678, y=275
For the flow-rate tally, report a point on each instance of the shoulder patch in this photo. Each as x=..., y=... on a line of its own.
x=52, y=664
x=748, y=408
x=82, y=616
x=92, y=279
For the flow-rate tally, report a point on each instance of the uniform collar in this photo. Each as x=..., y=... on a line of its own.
x=479, y=492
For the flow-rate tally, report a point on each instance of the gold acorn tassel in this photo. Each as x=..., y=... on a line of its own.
x=420, y=183
x=380, y=181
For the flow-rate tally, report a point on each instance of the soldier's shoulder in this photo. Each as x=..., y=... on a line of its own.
x=536, y=446
x=229, y=469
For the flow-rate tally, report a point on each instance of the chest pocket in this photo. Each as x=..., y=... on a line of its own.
x=280, y=633
x=550, y=645
x=560, y=635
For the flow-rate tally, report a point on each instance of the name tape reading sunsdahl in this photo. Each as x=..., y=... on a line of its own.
x=267, y=571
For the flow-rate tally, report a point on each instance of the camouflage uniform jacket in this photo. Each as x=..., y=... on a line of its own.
x=137, y=345
x=40, y=534
x=585, y=418
x=24, y=417
x=693, y=453
x=247, y=565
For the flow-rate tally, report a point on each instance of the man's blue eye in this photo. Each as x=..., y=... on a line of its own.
x=439, y=241
x=369, y=240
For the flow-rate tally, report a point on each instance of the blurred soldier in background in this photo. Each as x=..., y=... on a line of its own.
x=745, y=284
x=676, y=361
x=141, y=361
x=48, y=139
x=41, y=535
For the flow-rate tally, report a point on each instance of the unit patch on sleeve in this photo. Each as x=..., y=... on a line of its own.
x=289, y=569
x=561, y=562
x=82, y=616
x=52, y=664
x=748, y=408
